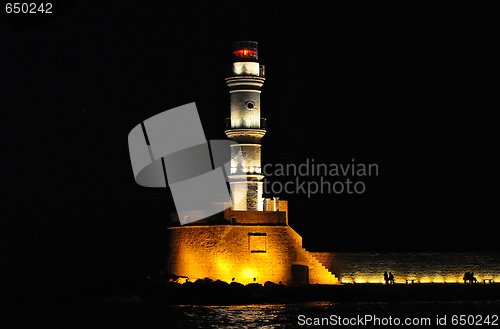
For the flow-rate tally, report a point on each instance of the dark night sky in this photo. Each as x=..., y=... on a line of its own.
x=412, y=88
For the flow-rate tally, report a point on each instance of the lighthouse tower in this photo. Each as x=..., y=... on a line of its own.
x=253, y=241
x=246, y=127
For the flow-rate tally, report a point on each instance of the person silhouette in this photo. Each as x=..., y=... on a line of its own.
x=386, y=278
x=391, y=278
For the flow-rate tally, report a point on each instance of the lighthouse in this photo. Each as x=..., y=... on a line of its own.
x=246, y=127
x=252, y=242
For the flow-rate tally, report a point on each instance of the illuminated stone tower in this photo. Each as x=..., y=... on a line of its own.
x=252, y=242
x=246, y=127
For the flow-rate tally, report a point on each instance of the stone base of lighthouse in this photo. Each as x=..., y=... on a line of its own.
x=244, y=253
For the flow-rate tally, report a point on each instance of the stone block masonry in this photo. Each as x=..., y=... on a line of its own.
x=242, y=253
x=416, y=267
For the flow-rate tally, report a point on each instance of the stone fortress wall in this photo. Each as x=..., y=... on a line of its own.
x=243, y=253
x=419, y=267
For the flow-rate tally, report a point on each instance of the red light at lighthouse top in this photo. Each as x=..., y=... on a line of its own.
x=245, y=51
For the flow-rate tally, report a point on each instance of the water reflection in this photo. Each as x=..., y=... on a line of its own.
x=286, y=315
x=236, y=316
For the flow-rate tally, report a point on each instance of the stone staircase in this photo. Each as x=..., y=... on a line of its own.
x=318, y=273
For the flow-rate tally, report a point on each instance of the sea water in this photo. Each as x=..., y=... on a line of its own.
x=299, y=315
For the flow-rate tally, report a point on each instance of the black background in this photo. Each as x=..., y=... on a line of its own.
x=410, y=87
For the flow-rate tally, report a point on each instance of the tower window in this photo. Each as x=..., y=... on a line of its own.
x=250, y=105
x=257, y=242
